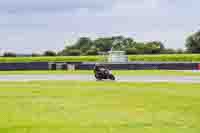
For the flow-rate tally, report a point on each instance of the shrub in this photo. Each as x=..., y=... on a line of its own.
x=131, y=51
x=9, y=54
x=49, y=53
x=150, y=58
x=92, y=52
x=74, y=52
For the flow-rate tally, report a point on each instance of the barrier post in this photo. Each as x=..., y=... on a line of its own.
x=198, y=67
x=71, y=67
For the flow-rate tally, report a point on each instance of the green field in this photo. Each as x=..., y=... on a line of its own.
x=166, y=58
x=122, y=72
x=99, y=107
x=149, y=58
x=52, y=59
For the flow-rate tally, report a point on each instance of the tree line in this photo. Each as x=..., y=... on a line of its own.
x=86, y=46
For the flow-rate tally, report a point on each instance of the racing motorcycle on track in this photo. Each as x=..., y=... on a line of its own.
x=102, y=73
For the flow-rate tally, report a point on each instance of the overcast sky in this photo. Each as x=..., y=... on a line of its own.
x=38, y=25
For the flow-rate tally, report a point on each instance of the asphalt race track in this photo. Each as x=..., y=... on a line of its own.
x=181, y=79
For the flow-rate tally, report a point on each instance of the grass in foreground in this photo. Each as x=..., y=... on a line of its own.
x=125, y=72
x=99, y=107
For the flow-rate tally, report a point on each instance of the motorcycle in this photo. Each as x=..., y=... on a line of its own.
x=104, y=74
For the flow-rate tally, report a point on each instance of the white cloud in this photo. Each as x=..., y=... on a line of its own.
x=137, y=4
x=52, y=5
x=38, y=25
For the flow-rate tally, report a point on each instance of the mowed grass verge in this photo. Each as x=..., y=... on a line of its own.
x=99, y=107
x=145, y=58
x=115, y=72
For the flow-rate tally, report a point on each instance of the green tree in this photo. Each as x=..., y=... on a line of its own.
x=118, y=43
x=140, y=46
x=35, y=55
x=103, y=44
x=193, y=43
x=84, y=44
x=49, y=53
x=9, y=54
x=180, y=51
x=92, y=52
x=129, y=43
x=168, y=51
x=154, y=47
x=131, y=51
x=73, y=52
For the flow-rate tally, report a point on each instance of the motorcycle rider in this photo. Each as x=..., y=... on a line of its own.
x=97, y=68
x=102, y=72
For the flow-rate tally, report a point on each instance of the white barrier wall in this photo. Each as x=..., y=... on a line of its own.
x=117, y=56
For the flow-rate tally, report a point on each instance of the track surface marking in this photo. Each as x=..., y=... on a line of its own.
x=181, y=79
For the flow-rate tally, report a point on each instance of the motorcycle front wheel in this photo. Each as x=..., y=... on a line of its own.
x=111, y=77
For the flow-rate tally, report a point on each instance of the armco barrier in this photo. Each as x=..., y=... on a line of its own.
x=90, y=66
x=24, y=66
x=144, y=66
x=63, y=65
